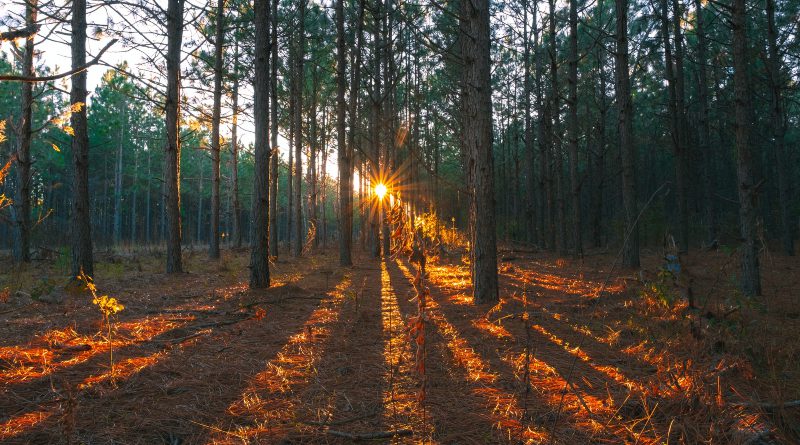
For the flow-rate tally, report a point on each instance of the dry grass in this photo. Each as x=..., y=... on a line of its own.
x=200, y=359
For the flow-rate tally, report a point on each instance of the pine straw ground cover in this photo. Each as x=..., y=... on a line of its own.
x=324, y=356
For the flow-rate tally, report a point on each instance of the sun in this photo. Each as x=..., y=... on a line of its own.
x=380, y=190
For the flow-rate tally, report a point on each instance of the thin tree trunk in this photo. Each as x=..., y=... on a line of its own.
x=134, y=194
x=298, y=132
x=558, y=165
x=219, y=41
x=376, y=120
x=22, y=199
x=172, y=155
x=118, y=174
x=750, y=279
x=704, y=130
x=630, y=256
x=572, y=123
x=779, y=130
x=200, y=184
x=148, y=210
x=259, y=256
x=681, y=179
x=477, y=139
x=273, y=190
x=530, y=224
x=82, y=259
x=235, y=204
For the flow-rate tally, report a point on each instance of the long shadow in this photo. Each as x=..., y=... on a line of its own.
x=198, y=389
x=346, y=391
x=267, y=409
x=550, y=369
x=569, y=334
x=481, y=409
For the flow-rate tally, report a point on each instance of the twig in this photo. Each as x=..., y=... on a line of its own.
x=34, y=79
x=370, y=436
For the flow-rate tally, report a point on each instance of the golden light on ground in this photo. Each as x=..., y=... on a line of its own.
x=507, y=412
x=380, y=190
x=263, y=408
x=401, y=407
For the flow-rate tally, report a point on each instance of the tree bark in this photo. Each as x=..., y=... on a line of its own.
x=750, y=277
x=82, y=259
x=236, y=207
x=273, y=189
x=298, y=133
x=259, y=256
x=572, y=124
x=345, y=157
x=558, y=165
x=704, y=129
x=530, y=224
x=477, y=140
x=219, y=41
x=117, y=234
x=22, y=199
x=172, y=155
x=630, y=254
x=778, y=117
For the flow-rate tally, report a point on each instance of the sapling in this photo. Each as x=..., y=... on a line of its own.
x=107, y=306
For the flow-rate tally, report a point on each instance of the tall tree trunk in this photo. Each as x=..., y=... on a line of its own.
x=82, y=259
x=750, y=279
x=376, y=121
x=22, y=199
x=599, y=162
x=148, y=201
x=236, y=207
x=273, y=169
x=558, y=165
x=134, y=225
x=118, y=174
x=704, y=130
x=313, y=192
x=673, y=69
x=298, y=132
x=172, y=155
x=200, y=184
x=345, y=168
x=259, y=256
x=681, y=172
x=776, y=84
x=630, y=254
x=572, y=123
x=477, y=139
x=219, y=41
x=530, y=225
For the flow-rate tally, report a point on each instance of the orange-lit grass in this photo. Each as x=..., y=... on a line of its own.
x=585, y=411
x=506, y=411
x=399, y=395
x=123, y=369
x=23, y=422
x=265, y=400
x=31, y=362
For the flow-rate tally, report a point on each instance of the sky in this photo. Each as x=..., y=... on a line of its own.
x=54, y=52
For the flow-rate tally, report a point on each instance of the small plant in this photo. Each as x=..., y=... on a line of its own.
x=108, y=306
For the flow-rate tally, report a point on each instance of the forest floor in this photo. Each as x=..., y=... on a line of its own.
x=575, y=353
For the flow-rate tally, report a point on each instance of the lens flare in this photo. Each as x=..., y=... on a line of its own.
x=380, y=190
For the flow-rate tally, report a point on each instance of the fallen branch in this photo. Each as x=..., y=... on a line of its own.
x=340, y=422
x=370, y=436
x=769, y=406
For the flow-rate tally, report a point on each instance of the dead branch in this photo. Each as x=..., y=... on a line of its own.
x=35, y=79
